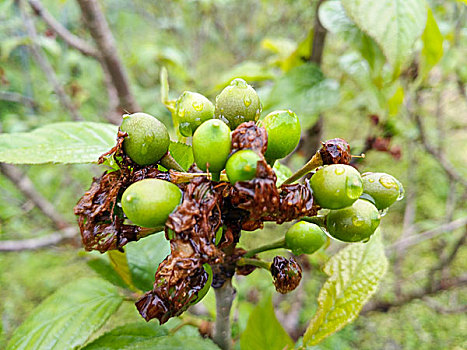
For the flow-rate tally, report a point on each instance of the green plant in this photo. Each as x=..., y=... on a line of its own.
x=211, y=146
x=192, y=109
x=336, y=186
x=304, y=238
x=149, y=202
x=238, y=103
x=284, y=131
x=383, y=189
x=241, y=166
x=355, y=223
x=148, y=139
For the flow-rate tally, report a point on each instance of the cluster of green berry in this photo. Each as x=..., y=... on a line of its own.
x=231, y=186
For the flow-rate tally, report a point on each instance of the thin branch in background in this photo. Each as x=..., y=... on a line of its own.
x=423, y=236
x=113, y=115
x=71, y=39
x=39, y=242
x=448, y=168
x=18, y=98
x=27, y=188
x=45, y=65
x=102, y=35
x=409, y=217
x=440, y=308
x=384, y=306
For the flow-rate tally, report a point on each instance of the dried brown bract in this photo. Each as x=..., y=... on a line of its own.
x=335, y=151
x=179, y=279
x=250, y=136
x=286, y=273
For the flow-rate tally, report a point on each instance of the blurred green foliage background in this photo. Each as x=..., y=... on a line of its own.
x=206, y=43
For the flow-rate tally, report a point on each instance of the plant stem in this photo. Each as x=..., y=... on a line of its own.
x=255, y=262
x=313, y=163
x=270, y=246
x=224, y=298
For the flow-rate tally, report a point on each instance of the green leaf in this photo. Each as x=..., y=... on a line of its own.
x=144, y=257
x=248, y=70
x=302, y=50
x=129, y=336
x=263, y=330
x=432, y=44
x=119, y=263
x=333, y=17
x=148, y=336
x=354, y=274
x=101, y=265
x=66, y=142
x=67, y=318
x=306, y=91
x=282, y=171
x=393, y=24
x=396, y=101
x=182, y=153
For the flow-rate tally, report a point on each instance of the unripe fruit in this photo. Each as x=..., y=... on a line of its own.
x=149, y=202
x=237, y=103
x=336, y=186
x=383, y=188
x=284, y=130
x=353, y=224
x=148, y=139
x=241, y=166
x=211, y=145
x=304, y=238
x=192, y=110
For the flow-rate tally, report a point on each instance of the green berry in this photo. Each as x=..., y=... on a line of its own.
x=148, y=139
x=304, y=238
x=336, y=186
x=241, y=166
x=355, y=223
x=238, y=103
x=284, y=130
x=149, y=202
x=383, y=188
x=211, y=145
x=192, y=110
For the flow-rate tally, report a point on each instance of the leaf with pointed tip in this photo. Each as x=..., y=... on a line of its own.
x=263, y=330
x=67, y=318
x=182, y=153
x=66, y=143
x=393, y=24
x=354, y=275
x=432, y=44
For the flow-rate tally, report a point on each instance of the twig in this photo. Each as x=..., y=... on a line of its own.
x=418, y=294
x=222, y=332
x=448, y=168
x=274, y=245
x=71, y=39
x=18, y=98
x=105, y=42
x=423, y=236
x=38, y=242
x=27, y=188
x=45, y=65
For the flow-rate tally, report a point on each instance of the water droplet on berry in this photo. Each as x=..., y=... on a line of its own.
x=371, y=180
x=197, y=106
x=401, y=192
x=353, y=187
x=383, y=212
x=357, y=221
x=181, y=112
x=247, y=101
x=185, y=129
x=339, y=170
x=388, y=182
